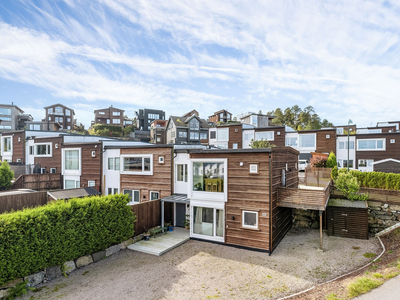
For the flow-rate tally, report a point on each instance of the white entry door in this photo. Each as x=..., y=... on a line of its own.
x=181, y=179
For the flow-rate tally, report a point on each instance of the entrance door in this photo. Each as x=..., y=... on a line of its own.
x=180, y=214
x=181, y=179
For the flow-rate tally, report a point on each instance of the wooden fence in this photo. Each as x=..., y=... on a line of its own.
x=38, y=182
x=19, y=201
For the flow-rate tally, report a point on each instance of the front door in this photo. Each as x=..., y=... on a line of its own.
x=180, y=214
x=181, y=179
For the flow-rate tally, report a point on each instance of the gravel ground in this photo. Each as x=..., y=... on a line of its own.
x=201, y=270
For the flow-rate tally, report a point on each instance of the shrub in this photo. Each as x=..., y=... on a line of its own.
x=331, y=161
x=334, y=173
x=36, y=238
x=261, y=144
x=377, y=180
x=6, y=175
x=318, y=161
x=348, y=185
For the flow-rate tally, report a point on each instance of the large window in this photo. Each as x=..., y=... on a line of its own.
x=194, y=135
x=213, y=134
x=250, y=219
x=71, y=160
x=71, y=184
x=203, y=135
x=183, y=134
x=181, y=173
x=223, y=134
x=134, y=196
x=194, y=124
x=58, y=110
x=153, y=116
x=371, y=144
x=116, y=113
x=5, y=119
x=307, y=140
x=67, y=112
x=34, y=126
x=363, y=163
x=291, y=141
x=43, y=150
x=208, y=221
x=138, y=165
x=208, y=176
x=343, y=145
x=5, y=111
x=116, y=121
x=7, y=144
x=5, y=126
x=269, y=136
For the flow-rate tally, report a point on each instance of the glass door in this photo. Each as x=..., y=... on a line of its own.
x=208, y=223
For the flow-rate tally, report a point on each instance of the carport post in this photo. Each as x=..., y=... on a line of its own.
x=162, y=213
x=320, y=231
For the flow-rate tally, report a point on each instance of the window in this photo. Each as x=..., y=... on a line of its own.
x=234, y=146
x=5, y=111
x=213, y=134
x=58, y=110
x=250, y=219
x=328, y=136
x=138, y=165
x=183, y=134
x=153, y=116
x=111, y=163
x=116, y=121
x=247, y=136
x=68, y=119
x=363, y=163
x=5, y=119
x=5, y=126
x=269, y=136
x=134, y=196
x=339, y=130
x=223, y=134
x=343, y=145
x=208, y=221
x=34, y=126
x=91, y=183
x=254, y=121
x=30, y=150
x=161, y=159
x=194, y=135
x=203, y=135
x=194, y=124
x=58, y=119
x=154, y=195
x=7, y=144
x=53, y=170
x=158, y=137
x=307, y=140
x=67, y=113
x=43, y=150
x=345, y=163
x=101, y=113
x=371, y=144
x=116, y=165
x=181, y=173
x=392, y=141
x=71, y=160
x=253, y=168
x=291, y=141
x=42, y=170
x=19, y=160
x=116, y=191
x=108, y=121
x=116, y=113
x=71, y=184
x=109, y=191
x=208, y=176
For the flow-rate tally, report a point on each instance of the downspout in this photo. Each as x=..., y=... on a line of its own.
x=270, y=204
x=101, y=169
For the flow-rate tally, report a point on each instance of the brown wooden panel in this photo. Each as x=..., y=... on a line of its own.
x=326, y=141
x=21, y=201
x=18, y=147
x=348, y=222
x=55, y=160
x=148, y=215
x=235, y=136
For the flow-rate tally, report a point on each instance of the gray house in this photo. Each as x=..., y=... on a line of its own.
x=187, y=129
x=12, y=118
x=144, y=118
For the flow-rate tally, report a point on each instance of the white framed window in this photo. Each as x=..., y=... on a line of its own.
x=19, y=160
x=181, y=173
x=116, y=191
x=42, y=170
x=7, y=144
x=339, y=130
x=161, y=159
x=223, y=134
x=291, y=141
x=101, y=112
x=109, y=191
x=371, y=144
x=307, y=140
x=134, y=196
x=194, y=135
x=203, y=135
x=392, y=141
x=53, y=170
x=253, y=168
x=343, y=145
x=250, y=219
x=116, y=113
x=116, y=164
x=154, y=195
x=213, y=134
x=137, y=164
x=43, y=149
x=91, y=183
x=111, y=163
x=71, y=184
x=208, y=176
x=328, y=136
x=344, y=162
x=234, y=146
x=93, y=153
x=267, y=135
x=363, y=163
x=71, y=163
x=116, y=121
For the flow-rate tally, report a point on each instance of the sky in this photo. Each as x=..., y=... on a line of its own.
x=341, y=57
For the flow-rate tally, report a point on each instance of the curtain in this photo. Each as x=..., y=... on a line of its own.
x=198, y=220
x=72, y=160
x=220, y=222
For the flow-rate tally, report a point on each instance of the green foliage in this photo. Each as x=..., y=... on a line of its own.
x=128, y=129
x=362, y=285
x=107, y=130
x=261, y=144
x=18, y=290
x=318, y=161
x=6, y=175
x=36, y=238
x=332, y=296
x=331, y=161
x=377, y=180
x=334, y=173
x=299, y=119
x=349, y=186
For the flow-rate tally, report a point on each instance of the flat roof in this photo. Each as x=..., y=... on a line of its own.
x=17, y=192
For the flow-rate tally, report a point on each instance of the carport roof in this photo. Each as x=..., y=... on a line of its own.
x=177, y=198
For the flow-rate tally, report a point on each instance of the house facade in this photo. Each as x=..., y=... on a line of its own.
x=222, y=116
x=12, y=118
x=60, y=114
x=109, y=116
x=187, y=129
x=158, y=132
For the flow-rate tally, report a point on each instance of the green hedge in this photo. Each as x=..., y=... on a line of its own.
x=45, y=236
x=376, y=180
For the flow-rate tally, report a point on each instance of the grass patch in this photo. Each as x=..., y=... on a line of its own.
x=332, y=297
x=391, y=275
x=369, y=255
x=377, y=275
x=362, y=285
x=356, y=248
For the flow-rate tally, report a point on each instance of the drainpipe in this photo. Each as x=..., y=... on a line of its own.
x=270, y=204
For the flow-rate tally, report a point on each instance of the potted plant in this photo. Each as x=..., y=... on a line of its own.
x=146, y=234
x=187, y=222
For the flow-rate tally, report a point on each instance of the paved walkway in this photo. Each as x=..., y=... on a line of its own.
x=390, y=290
x=163, y=242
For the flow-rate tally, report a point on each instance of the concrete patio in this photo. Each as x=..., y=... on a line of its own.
x=163, y=242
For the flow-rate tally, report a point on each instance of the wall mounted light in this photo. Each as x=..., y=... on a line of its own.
x=19, y=139
x=56, y=145
x=241, y=164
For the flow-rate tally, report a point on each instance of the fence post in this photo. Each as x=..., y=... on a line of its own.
x=317, y=176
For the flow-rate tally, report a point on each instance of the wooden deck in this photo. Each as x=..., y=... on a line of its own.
x=304, y=197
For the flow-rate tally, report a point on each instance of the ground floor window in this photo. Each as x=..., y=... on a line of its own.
x=363, y=163
x=250, y=219
x=208, y=221
x=134, y=196
x=91, y=183
x=154, y=195
x=71, y=184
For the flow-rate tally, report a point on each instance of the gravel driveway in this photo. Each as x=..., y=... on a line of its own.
x=201, y=270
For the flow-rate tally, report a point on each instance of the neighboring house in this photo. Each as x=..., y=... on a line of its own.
x=388, y=165
x=187, y=129
x=144, y=118
x=158, y=133
x=111, y=116
x=273, y=134
x=43, y=126
x=222, y=116
x=307, y=141
x=12, y=118
x=226, y=136
x=231, y=195
x=256, y=120
x=61, y=114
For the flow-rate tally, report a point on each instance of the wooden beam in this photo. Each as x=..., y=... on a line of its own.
x=320, y=231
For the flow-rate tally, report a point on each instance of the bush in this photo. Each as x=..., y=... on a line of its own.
x=6, y=175
x=261, y=144
x=318, y=161
x=349, y=186
x=45, y=236
x=334, y=173
x=331, y=161
x=377, y=180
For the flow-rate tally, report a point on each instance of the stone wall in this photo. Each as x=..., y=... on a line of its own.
x=382, y=215
x=305, y=218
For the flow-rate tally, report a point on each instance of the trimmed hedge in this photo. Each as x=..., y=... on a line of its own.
x=45, y=236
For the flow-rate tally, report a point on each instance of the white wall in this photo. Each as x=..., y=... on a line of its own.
x=341, y=154
x=181, y=187
x=246, y=143
x=112, y=177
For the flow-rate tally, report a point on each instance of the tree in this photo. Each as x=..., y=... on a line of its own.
x=331, y=161
x=347, y=183
x=261, y=144
x=6, y=175
x=318, y=161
